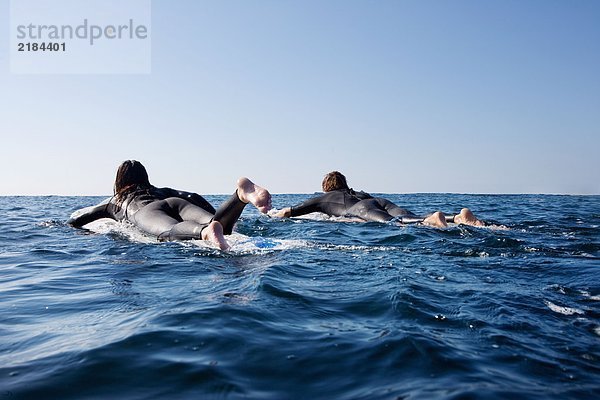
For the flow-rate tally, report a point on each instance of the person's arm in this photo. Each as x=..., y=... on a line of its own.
x=89, y=214
x=312, y=205
x=193, y=198
x=306, y=207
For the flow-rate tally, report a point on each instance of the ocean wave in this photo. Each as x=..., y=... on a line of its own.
x=304, y=308
x=563, y=310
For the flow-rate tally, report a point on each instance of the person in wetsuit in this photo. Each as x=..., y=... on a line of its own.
x=171, y=214
x=339, y=200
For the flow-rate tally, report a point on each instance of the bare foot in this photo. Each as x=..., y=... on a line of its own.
x=214, y=233
x=437, y=219
x=248, y=192
x=466, y=217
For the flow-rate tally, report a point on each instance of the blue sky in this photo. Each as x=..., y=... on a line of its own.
x=401, y=96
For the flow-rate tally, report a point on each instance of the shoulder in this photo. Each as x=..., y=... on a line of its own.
x=361, y=194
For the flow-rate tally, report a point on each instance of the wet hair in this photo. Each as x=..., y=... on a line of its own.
x=131, y=177
x=334, y=181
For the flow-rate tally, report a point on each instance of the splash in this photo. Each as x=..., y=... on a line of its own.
x=563, y=310
x=108, y=226
x=240, y=244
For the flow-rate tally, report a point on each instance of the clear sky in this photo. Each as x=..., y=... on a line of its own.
x=401, y=96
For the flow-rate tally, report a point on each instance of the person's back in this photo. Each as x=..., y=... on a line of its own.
x=334, y=203
x=137, y=199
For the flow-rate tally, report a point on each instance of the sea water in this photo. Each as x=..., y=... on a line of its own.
x=305, y=308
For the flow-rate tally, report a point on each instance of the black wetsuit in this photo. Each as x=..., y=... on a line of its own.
x=166, y=213
x=348, y=203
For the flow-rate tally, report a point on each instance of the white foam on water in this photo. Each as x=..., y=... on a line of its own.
x=240, y=244
x=105, y=226
x=531, y=249
x=318, y=216
x=494, y=227
x=563, y=310
x=589, y=296
x=343, y=247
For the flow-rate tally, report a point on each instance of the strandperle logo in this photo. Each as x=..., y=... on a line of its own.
x=80, y=37
x=84, y=31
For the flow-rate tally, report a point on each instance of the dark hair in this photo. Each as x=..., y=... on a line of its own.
x=334, y=181
x=131, y=177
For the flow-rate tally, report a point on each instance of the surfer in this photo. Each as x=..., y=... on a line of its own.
x=171, y=214
x=339, y=200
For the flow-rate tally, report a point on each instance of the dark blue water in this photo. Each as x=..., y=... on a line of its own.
x=333, y=311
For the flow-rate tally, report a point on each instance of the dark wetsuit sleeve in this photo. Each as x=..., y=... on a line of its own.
x=193, y=198
x=307, y=207
x=334, y=203
x=90, y=214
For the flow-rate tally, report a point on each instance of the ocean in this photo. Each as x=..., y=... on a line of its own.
x=305, y=308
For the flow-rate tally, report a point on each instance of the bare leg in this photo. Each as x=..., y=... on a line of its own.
x=437, y=219
x=248, y=192
x=214, y=233
x=466, y=217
